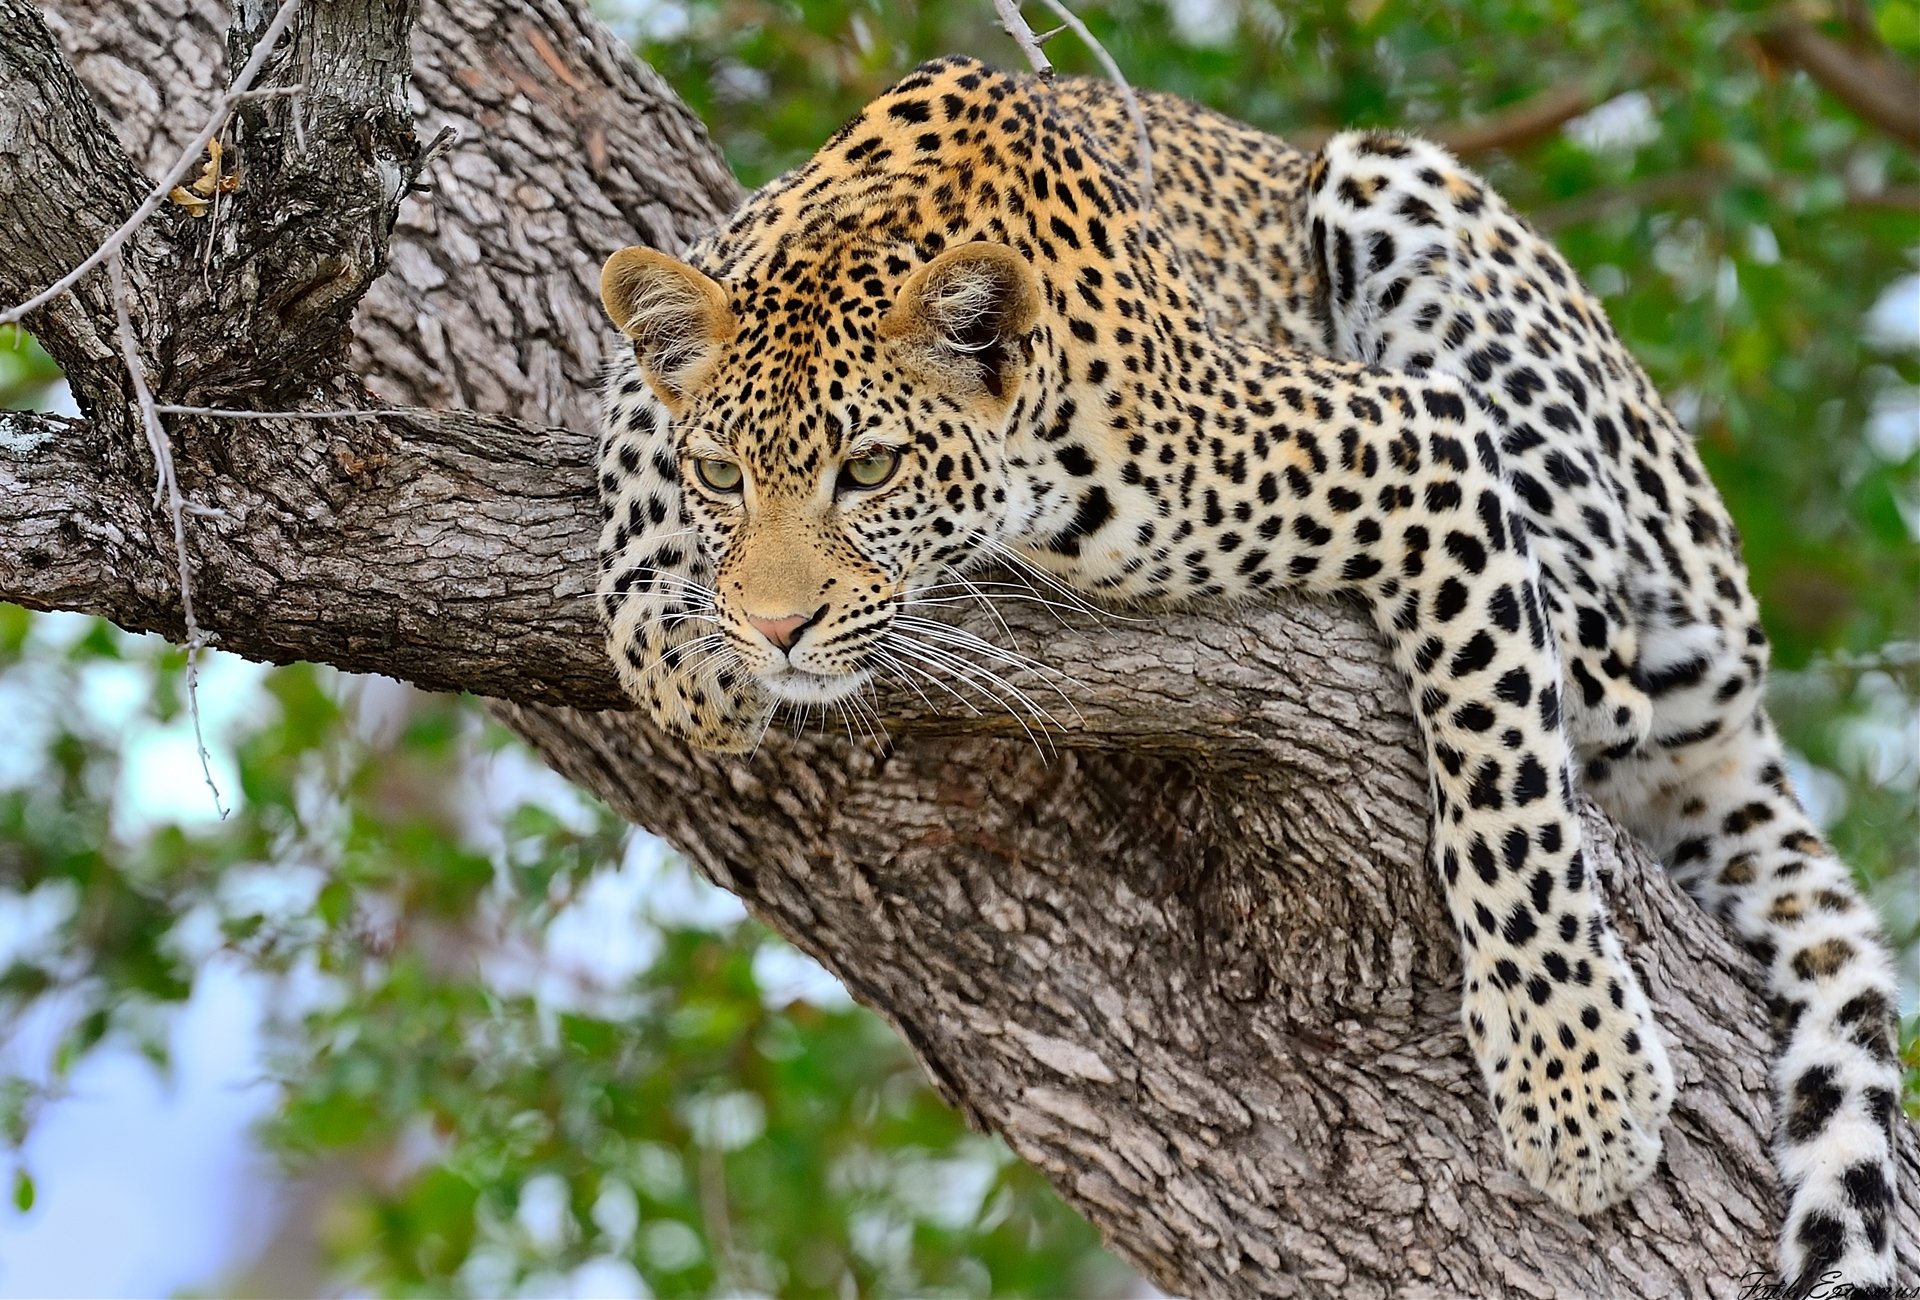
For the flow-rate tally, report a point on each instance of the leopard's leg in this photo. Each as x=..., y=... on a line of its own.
x=1423, y=268
x=656, y=586
x=1392, y=486
x=1564, y=1035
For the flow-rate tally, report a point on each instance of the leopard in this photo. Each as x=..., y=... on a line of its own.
x=965, y=334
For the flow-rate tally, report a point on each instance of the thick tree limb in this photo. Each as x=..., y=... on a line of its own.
x=451, y=549
x=1193, y=966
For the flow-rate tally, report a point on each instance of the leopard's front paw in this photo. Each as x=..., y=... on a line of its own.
x=1579, y=1079
x=723, y=716
x=733, y=727
x=712, y=708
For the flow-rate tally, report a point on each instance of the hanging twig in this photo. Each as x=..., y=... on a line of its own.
x=166, y=491
x=189, y=156
x=222, y=413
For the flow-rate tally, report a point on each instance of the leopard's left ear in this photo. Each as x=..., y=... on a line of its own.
x=965, y=318
x=676, y=316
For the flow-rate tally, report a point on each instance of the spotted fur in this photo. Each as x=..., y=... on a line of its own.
x=1356, y=371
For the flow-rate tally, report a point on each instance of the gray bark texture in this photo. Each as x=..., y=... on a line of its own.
x=1187, y=958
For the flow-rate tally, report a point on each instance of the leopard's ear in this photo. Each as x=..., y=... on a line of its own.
x=966, y=317
x=676, y=316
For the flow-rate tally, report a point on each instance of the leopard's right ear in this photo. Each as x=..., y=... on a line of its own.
x=964, y=318
x=676, y=316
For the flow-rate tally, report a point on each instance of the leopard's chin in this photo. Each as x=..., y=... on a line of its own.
x=798, y=686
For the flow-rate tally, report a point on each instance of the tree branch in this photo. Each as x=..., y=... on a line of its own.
x=1014, y=25
x=451, y=549
x=1525, y=123
x=1516, y=126
x=1870, y=84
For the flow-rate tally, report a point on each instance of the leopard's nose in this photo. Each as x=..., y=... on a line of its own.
x=784, y=631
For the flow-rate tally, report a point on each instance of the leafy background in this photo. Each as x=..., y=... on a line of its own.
x=496, y=1041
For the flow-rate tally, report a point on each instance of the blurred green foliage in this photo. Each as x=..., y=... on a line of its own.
x=504, y=1114
x=27, y=373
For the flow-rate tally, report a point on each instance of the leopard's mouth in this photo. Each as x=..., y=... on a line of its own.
x=801, y=686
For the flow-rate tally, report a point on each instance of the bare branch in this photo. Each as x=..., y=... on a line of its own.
x=1516, y=126
x=1014, y=25
x=174, y=174
x=437, y=148
x=420, y=545
x=223, y=413
x=1872, y=85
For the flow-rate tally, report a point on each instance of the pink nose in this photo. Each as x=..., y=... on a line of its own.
x=783, y=632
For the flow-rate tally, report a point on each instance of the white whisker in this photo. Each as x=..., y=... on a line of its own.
x=889, y=661
x=1027, y=566
x=1017, y=594
x=870, y=705
x=959, y=636
x=982, y=679
x=917, y=671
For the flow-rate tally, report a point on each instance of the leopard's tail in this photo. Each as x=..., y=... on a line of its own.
x=1735, y=836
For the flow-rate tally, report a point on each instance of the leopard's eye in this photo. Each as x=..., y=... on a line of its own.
x=720, y=475
x=870, y=470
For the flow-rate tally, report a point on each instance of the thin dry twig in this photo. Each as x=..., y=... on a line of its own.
x=437, y=148
x=189, y=157
x=166, y=490
x=1014, y=25
x=1143, y=143
x=213, y=223
x=223, y=413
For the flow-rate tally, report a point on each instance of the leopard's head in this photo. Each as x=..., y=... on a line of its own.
x=839, y=416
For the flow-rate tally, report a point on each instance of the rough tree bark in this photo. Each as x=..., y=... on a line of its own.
x=1189, y=961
